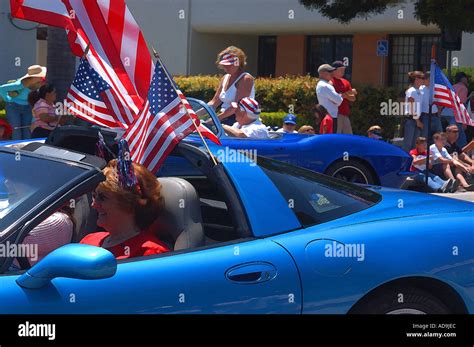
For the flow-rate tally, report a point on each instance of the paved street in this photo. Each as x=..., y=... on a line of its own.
x=468, y=196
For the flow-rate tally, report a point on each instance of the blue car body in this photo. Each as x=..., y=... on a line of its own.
x=387, y=165
x=278, y=265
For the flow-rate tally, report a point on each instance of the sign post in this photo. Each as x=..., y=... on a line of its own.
x=382, y=51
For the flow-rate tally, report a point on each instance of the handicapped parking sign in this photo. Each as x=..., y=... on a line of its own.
x=382, y=48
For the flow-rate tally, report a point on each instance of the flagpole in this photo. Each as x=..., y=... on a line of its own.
x=157, y=56
x=430, y=113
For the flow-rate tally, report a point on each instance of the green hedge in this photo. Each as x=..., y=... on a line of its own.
x=278, y=96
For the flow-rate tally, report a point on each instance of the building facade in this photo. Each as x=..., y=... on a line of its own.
x=280, y=37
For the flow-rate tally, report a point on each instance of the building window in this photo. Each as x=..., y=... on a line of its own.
x=412, y=52
x=327, y=49
x=267, y=56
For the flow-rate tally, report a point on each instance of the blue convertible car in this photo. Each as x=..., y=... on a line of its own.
x=351, y=158
x=247, y=237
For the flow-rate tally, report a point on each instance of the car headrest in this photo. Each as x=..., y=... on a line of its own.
x=183, y=211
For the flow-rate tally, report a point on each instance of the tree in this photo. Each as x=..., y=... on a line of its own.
x=61, y=61
x=454, y=15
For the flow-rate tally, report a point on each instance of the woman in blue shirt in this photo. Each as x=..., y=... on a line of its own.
x=15, y=95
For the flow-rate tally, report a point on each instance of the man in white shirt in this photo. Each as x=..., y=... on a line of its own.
x=248, y=124
x=325, y=92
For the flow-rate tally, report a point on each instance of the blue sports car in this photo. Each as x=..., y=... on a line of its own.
x=352, y=158
x=249, y=235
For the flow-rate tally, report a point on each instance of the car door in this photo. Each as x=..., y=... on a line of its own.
x=251, y=276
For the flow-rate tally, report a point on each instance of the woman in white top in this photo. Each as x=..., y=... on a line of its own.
x=413, y=103
x=235, y=85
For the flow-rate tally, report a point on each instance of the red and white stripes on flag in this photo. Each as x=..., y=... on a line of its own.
x=118, y=51
x=90, y=98
x=443, y=96
x=90, y=110
x=163, y=122
x=152, y=138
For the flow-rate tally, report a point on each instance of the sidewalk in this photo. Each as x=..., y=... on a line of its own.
x=467, y=196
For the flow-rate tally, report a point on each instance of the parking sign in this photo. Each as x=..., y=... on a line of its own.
x=382, y=48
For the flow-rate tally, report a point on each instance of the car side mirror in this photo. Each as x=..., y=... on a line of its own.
x=70, y=261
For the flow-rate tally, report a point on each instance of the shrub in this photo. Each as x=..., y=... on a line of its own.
x=2, y=113
x=275, y=119
x=365, y=112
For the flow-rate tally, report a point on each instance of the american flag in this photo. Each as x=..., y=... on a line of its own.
x=90, y=98
x=443, y=94
x=118, y=51
x=162, y=123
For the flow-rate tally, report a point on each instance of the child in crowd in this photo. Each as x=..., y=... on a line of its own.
x=306, y=129
x=444, y=164
x=435, y=183
x=5, y=130
x=324, y=119
x=375, y=132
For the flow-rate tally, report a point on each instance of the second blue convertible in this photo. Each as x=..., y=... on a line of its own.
x=246, y=237
x=351, y=158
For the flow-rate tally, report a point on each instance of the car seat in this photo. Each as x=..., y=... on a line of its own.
x=181, y=220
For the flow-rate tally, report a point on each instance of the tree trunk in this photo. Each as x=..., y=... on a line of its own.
x=61, y=61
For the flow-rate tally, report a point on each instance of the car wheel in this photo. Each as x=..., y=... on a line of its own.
x=398, y=300
x=351, y=171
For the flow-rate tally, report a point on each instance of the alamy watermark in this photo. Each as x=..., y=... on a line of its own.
x=399, y=108
x=11, y=250
x=229, y=155
x=339, y=250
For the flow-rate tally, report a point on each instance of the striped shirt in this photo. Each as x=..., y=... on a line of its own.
x=42, y=107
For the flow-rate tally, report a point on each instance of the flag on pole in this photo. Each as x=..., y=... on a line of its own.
x=443, y=94
x=118, y=51
x=91, y=99
x=163, y=122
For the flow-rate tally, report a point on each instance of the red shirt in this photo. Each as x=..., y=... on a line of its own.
x=145, y=243
x=414, y=152
x=342, y=85
x=327, y=123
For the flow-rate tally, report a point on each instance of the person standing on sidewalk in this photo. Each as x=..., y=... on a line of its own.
x=462, y=91
x=343, y=87
x=413, y=103
x=325, y=92
x=436, y=126
x=15, y=94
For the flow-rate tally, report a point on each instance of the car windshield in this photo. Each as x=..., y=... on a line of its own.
x=25, y=181
x=316, y=198
x=204, y=116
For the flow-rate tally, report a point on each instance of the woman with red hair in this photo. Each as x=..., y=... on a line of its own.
x=128, y=203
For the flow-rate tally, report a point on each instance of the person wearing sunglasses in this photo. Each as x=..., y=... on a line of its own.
x=127, y=209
